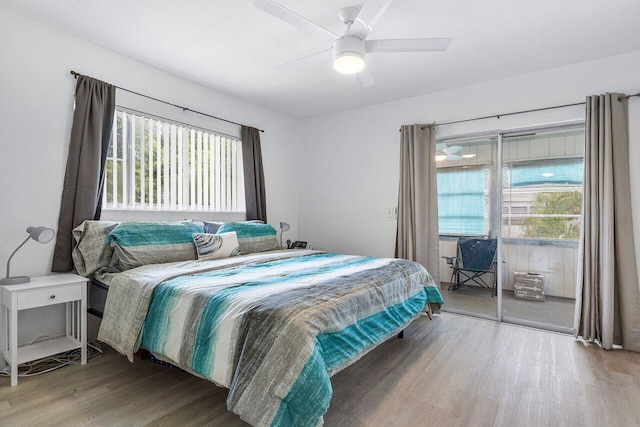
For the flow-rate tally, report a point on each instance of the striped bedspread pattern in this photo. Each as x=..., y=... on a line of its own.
x=261, y=329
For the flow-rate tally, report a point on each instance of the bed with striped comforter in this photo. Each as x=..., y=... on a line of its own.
x=272, y=327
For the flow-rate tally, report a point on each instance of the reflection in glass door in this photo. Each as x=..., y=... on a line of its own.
x=541, y=207
x=466, y=212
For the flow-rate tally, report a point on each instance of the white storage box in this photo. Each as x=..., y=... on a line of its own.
x=528, y=286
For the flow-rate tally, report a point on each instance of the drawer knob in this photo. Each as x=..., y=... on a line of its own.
x=52, y=296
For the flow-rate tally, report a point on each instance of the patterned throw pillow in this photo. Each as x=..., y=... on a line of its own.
x=252, y=237
x=152, y=242
x=216, y=246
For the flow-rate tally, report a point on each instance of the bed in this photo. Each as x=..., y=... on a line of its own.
x=271, y=326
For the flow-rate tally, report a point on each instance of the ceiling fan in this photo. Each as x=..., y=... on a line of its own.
x=444, y=152
x=348, y=50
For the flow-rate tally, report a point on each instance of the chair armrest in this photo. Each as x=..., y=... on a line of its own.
x=452, y=260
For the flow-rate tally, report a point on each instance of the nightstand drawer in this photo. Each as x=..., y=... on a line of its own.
x=49, y=296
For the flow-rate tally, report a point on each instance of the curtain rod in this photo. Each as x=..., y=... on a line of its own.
x=76, y=75
x=497, y=116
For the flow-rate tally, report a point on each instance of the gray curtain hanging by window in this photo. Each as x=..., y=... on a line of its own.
x=256, y=202
x=607, y=298
x=417, y=235
x=84, y=176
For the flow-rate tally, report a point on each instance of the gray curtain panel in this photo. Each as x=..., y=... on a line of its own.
x=84, y=177
x=253, y=174
x=417, y=236
x=607, y=299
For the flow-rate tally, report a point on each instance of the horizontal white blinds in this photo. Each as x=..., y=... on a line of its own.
x=155, y=164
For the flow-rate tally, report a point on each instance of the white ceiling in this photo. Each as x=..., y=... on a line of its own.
x=233, y=47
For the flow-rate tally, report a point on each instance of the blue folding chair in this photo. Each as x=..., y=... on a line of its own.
x=475, y=258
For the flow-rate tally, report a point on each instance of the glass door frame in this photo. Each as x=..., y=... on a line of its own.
x=498, y=191
x=480, y=139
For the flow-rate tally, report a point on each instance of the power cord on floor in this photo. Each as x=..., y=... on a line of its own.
x=51, y=363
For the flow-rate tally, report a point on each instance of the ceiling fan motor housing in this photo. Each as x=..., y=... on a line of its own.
x=348, y=48
x=348, y=44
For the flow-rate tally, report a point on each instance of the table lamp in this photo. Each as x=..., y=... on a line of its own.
x=39, y=234
x=284, y=226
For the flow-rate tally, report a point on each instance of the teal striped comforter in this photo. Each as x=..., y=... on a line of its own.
x=271, y=327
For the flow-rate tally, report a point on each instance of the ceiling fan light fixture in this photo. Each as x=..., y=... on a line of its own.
x=348, y=55
x=348, y=63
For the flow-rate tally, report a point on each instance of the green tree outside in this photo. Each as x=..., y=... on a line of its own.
x=562, y=202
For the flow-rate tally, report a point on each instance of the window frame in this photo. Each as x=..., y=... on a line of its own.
x=183, y=176
x=496, y=199
x=540, y=240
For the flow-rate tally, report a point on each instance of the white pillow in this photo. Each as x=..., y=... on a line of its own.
x=216, y=246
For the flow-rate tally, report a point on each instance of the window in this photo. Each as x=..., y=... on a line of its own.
x=463, y=200
x=543, y=198
x=542, y=185
x=156, y=164
x=464, y=187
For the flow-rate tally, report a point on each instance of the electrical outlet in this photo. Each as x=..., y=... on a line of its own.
x=392, y=213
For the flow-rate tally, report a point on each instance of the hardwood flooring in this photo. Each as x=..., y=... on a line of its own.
x=452, y=371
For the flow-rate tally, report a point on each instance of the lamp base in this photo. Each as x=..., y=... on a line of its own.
x=15, y=280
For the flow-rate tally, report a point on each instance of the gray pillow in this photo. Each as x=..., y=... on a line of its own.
x=211, y=227
x=92, y=252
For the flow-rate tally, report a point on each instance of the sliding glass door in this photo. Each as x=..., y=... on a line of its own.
x=466, y=205
x=542, y=202
x=523, y=194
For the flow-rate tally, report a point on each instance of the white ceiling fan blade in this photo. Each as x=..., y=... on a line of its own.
x=453, y=157
x=306, y=60
x=365, y=78
x=441, y=146
x=284, y=14
x=407, y=45
x=453, y=149
x=372, y=11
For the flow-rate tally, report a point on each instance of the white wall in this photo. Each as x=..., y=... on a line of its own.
x=351, y=158
x=36, y=107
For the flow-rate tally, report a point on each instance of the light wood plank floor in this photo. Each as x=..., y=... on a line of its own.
x=452, y=371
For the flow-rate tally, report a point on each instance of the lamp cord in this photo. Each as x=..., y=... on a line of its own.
x=14, y=252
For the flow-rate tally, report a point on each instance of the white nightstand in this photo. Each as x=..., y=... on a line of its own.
x=68, y=289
